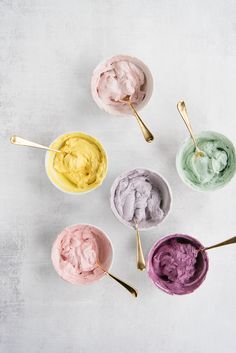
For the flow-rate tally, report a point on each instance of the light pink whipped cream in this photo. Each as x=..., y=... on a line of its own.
x=117, y=78
x=120, y=79
x=76, y=252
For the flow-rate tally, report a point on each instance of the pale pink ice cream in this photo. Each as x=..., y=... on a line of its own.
x=117, y=78
x=76, y=252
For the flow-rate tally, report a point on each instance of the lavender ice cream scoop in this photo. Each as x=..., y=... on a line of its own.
x=176, y=265
x=140, y=196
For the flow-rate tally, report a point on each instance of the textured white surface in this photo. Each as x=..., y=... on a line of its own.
x=48, y=50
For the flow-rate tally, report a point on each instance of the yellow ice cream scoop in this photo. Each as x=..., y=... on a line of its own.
x=82, y=165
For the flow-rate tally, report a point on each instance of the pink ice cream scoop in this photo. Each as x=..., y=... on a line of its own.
x=118, y=77
x=77, y=251
x=176, y=265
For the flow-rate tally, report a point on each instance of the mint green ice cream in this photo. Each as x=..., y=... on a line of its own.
x=212, y=171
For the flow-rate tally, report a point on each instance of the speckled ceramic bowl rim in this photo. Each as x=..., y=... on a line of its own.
x=73, y=192
x=113, y=188
x=112, y=253
x=161, y=241
x=180, y=172
x=139, y=106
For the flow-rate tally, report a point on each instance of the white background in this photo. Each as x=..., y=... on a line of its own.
x=48, y=50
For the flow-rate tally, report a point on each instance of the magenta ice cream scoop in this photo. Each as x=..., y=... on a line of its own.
x=176, y=265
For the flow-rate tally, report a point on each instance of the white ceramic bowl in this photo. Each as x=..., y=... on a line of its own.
x=202, y=269
x=55, y=179
x=163, y=187
x=106, y=261
x=123, y=110
x=187, y=146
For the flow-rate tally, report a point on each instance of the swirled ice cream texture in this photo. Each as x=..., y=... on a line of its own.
x=80, y=166
x=176, y=264
x=137, y=200
x=215, y=168
x=76, y=252
x=119, y=77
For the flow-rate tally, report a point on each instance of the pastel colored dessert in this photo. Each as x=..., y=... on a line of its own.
x=118, y=77
x=176, y=265
x=76, y=252
x=82, y=165
x=212, y=171
x=140, y=196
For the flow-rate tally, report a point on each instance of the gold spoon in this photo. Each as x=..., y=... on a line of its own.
x=226, y=242
x=140, y=258
x=132, y=290
x=16, y=140
x=146, y=132
x=183, y=112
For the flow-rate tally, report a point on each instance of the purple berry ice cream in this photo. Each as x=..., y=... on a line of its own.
x=176, y=264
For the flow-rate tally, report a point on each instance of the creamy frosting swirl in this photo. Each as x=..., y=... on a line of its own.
x=79, y=251
x=81, y=166
x=215, y=168
x=119, y=79
x=176, y=264
x=138, y=200
x=76, y=254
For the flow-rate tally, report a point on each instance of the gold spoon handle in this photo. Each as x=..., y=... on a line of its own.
x=184, y=114
x=146, y=132
x=132, y=290
x=16, y=140
x=226, y=242
x=140, y=258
